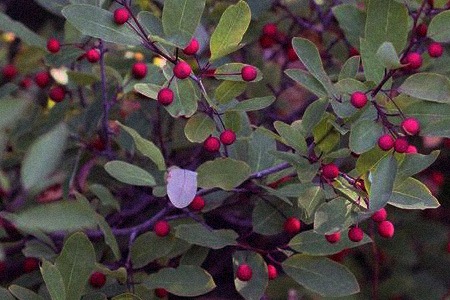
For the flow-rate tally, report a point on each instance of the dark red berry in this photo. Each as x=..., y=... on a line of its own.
x=435, y=50
x=244, y=272
x=192, y=48
x=292, y=225
x=93, y=55
x=291, y=55
x=333, y=238
x=57, y=93
x=26, y=83
x=165, y=96
x=121, y=16
x=53, y=45
x=42, y=79
x=355, y=234
x=161, y=293
x=197, y=204
x=437, y=177
x=353, y=52
x=330, y=171
x=266, y=42
x=161, y=228
x=182, y=70
x=211, y=144
x=421, y=30
x=9, y=72
x=270, y=29
x=30, y=264
x=139, y=70
x=249, y=73
x=97, y=280
x=227, y=137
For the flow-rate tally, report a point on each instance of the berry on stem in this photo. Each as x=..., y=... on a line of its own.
x=57, y=93
x=211, y=144
x=165, y=96
x=411, y=126
x=270, y=30
x=30, y=264
x=97, y=280
x=330, y=171
x=161, y=228
x=93, y=55
x=435, y=50
x=197, y=204
x=42, y=79
x=333, y=238
x=411, y=149
x=244, y=272
x=227, y=137
x=358, y=99
x=53, y=45
x=401, y=145
x=9, y=72
x=139, y=70
x=192, y=48
x=272, y=272
x=421, y=30
x=386, y=229
x=355, y=234
x=249, y=73
x=380, y=215
x=386, y=142
x=182, y=70
x=121, y=16
x=161, y=293
x=414, y=61
x=292, y=225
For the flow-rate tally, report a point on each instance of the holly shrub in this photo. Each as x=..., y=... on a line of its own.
x=225, y=149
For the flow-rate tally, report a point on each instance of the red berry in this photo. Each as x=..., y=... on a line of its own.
x=244, y=272
x=421, y=30
x=333, y=238
x=411, y=149
x=270, y=29
x=380, y=215
x=292, y=225
x=26, y=83
x=386, y=142
x=139, y=70
x=411, y=126
x=182, y=70
x=9, y=72
x=353, y=52
x=93, y=55
x=57, y=93
x=291, y=55
x=30, y=264
x=161, y=293
x=435, y=49
x=197, y=204
x=249, y=73
x=227, y=137
x=358, y=99
x=272, y=272
x=437, y=177
x=266, y=42
x=42, y=79
x=161, y=228
x=401, y=145
x=97, y=280
x=121, y=16
x=192, y=48
x=165, y=96
x=98, y=144
x=386, y=229
x=355, y=234
x=330, y=171
x=414, y=61
x=211, y=144
x=53, y=45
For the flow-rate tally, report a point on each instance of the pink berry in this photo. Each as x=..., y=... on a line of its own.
x=270, y=29
x=9, y=72
x=165, y=96
x=97, y=280
x=292, y=225
x=333, y=238
x=42, y=79
x=30, y=264
x=330, y=171
x=421, y=30
x=57, y=93
x=93, y=55
x=161, y=228
x=386, y=229
x=411, y=126
x=249, y=73
x=358, y=99
x=386, y=142
x=182, y=70
x=161, y=293
x=401, y=145
x=53, y=45
x=411, y=150
x=192, y=48
x=272, y=272
x=197, y=204
x=435, y=49
x=355, y=234
x=244, y=272
x=211, y=144
x=139, y=70
x=227, y=137
x=121, y=16
x=380, y=215
x=414, y=61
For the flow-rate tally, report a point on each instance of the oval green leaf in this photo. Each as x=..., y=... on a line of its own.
x=129, y=174
x=224, y=173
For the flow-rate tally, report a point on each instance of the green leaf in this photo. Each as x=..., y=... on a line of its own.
x=253, y=104
x=186, y=96
x=99, y=23
x=228, y=90
x=199, y=127
x=350, y=68
x=427, y=86
x=256, y=286
x=412, y=194
x=148, y=90
x=11, y=109
x=372, y=66
x=313, y=114
x=5, y=295
x=370, y=159
x=307, y=81
x=146, y=147
x=415, y=163
x=185, y=281
x=267, y=217
x=148, y=247
x=291, y=137
x=258, y=152
x=333, y=216
x=105, y=196
x=76, y=263
x=351, y=20
x=129, y=174
x=382, y=181
x=180, y=19
x=196, y=255
x=224, y=173
x=439, y=28
x=364, y=135
x=198, y=234
x=388, y=56
x=315, y=244
x=310, y=199
x=53, y=281
x=321, y=275
x=230, y=30
x=126, y=296
x=310, y=57
x=82, y=78
x=151, y=23
x=325, y=135
x=24, y=33
x=22, y=293
x=44, y=156
x=110, y=239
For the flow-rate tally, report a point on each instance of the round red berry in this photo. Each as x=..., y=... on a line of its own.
x=227, y=137
x=249, y=73
x=330, y=171
x=42, y=79
x=9, y=72
x=291, y=55
x=380, y=215
x=401, y=145
x=353, y=52
x=411, y=149
x=30, y=264
x=53, y=45
x=435, y=49
x=139, y=70
x=358, y=99
x=244, y=272
x=93, y=55
x=161, y=293
x=182, y=70
x=192, y=48
x=386, y=142
x=333, y=238
x=421, y=30
x=211, y=144
x=165, y=96
x=270, y=29
x=292, y=225
x=197, y=204
x=414, y=61
x=272, y=272
x=161, y=228
x=121, y=16
x=437, y=177
x=411, y=126
x=97, y=280
x=266, y=42
x=26, y=83
x=386, y=229
x=355, y=234
x=57, y=93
